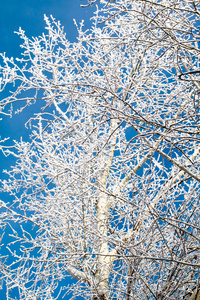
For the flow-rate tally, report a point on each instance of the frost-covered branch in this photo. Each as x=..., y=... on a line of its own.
x=106, y=188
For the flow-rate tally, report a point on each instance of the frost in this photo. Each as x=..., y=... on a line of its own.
x=107, y=188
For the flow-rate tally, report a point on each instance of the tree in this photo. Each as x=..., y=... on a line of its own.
x=110, y=176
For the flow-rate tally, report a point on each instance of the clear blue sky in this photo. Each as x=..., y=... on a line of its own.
x=29, y=15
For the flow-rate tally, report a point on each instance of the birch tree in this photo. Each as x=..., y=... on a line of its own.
x=106, y=191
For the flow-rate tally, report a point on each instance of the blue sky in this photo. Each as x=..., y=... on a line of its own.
x=29, y=15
